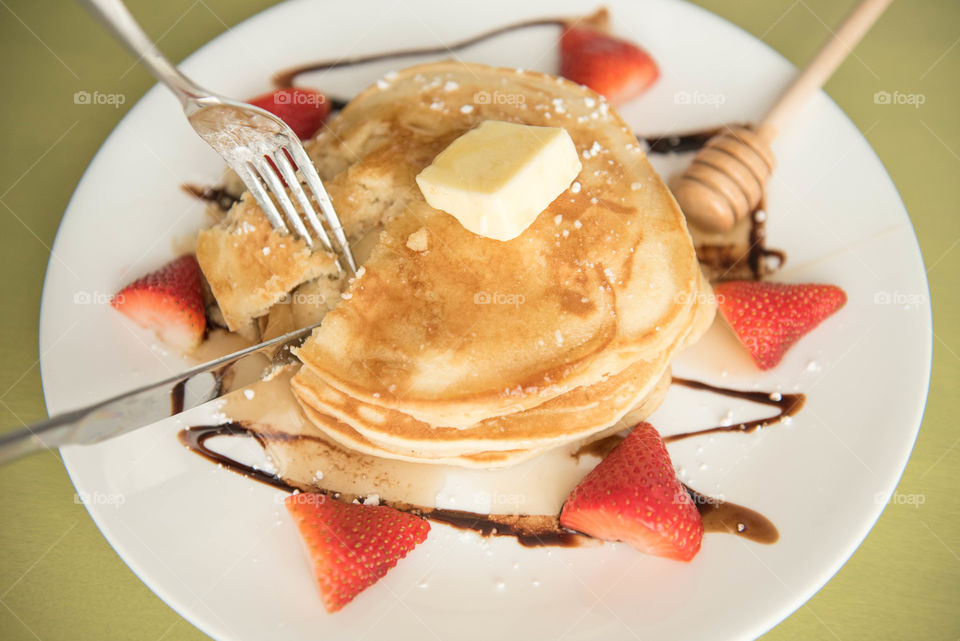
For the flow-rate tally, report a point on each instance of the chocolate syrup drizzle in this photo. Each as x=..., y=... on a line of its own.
x=176, y=397
x=195, y=439
x=759, y=254
x=718, y=515
x=215, y=195
x=286, y=78
x=786, y=404
x=678, y=143
x=222, y=378
x=722, y=516
x=544, y=534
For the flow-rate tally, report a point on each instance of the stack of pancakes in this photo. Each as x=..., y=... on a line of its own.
x=452, y=348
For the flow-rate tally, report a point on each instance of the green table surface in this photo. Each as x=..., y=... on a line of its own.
x=59, y=579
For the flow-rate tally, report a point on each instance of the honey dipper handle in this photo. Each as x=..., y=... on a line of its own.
x=818, y=70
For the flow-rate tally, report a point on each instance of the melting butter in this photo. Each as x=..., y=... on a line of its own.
x=498, y=177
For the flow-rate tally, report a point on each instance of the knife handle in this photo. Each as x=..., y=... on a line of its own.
x=109, y=418
x=142, y=406
x=48, y=434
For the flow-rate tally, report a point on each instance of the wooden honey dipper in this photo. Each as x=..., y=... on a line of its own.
x=726, y=179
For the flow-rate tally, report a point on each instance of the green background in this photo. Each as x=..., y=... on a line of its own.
x=58, y=577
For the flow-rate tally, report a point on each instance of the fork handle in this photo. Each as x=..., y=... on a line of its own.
x=113, y=14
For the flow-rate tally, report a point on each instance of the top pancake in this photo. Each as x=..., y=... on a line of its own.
x=472, y=327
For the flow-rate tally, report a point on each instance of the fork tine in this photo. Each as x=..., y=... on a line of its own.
x=280, y=193
x=309, y=173
x=286, y=170
x=252, y=182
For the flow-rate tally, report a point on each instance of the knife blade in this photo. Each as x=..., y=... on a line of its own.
x=138, y=407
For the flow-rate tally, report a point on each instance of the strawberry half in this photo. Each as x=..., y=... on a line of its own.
x=634, y=495
x=769, y=318
x=352, y=546
x=304, y=110
x=168, y=301
x=615, y=68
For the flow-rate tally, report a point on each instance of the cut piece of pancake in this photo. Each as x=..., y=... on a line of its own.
x=475, y=328
x=250, y=266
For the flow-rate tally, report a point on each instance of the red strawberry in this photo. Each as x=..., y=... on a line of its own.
x=770, y=317
x=169, y=301
x=633, y=495
x=618, y=69
x=304, y=110
x=352, y=546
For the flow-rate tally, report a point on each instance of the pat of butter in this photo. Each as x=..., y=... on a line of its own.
x=497, y=178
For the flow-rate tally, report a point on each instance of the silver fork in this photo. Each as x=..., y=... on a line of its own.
x=245, y=137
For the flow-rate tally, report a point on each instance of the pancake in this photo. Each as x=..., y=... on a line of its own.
x=250, y=266
x=565, y=418
x=474, y=328
x=348, y=437
x=615, y=404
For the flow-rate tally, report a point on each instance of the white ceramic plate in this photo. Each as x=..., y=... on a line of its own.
x=219, y=548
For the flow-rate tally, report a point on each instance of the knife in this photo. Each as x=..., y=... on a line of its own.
x=142, y=406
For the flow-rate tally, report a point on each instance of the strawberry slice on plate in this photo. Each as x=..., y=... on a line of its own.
x=168, y=301
x=769, y=318
x=613, y=67
x=352, y=546
x=634, y=496
x=304, y=110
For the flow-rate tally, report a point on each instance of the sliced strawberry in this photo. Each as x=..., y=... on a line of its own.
x=352, y=546
x=615, y=68
x=168, y=301
x=769, y=318
x=633, y=495
x=304, y=110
